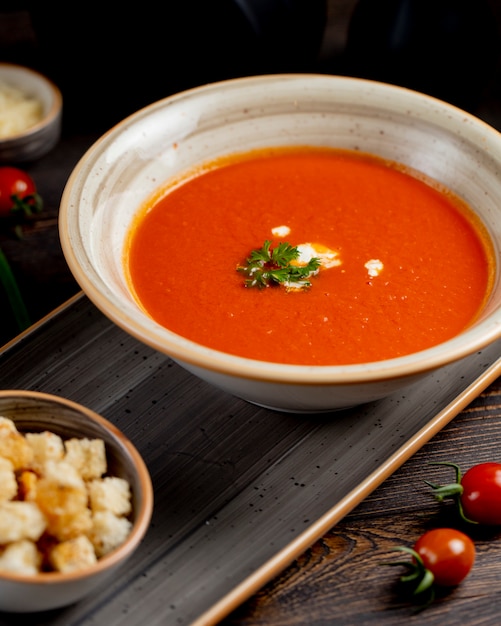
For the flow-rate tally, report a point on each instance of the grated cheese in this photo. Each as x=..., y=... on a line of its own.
x=18, y=112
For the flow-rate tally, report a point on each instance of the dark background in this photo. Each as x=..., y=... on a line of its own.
x=109, y=63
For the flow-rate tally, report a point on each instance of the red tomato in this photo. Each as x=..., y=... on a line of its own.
x=16, y=189
x=447, y=553
x=481, y=495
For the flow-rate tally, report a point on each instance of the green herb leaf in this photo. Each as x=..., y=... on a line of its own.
x=268, y=266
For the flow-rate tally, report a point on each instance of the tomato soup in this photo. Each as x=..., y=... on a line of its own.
x=404, y=265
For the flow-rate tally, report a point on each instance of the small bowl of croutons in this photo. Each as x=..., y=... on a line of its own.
x=76, y=500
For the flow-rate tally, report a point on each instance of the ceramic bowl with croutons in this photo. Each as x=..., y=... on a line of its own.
x=76, y=500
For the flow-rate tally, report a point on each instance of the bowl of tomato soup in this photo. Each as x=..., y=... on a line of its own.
x=304, y=242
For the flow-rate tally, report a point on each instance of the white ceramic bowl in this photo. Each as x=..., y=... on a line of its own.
x=33, y=142
x=128, y=163
x=34, y=412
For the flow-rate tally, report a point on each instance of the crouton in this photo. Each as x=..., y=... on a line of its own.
x=58, y=509
x=88, y=456
x=13, y=445
x=72, y=555
x=63, y=500
x=8, y=483
x=27, y=485
x=46, y=446
x=70, y=518
x=20, y=520
x=108, y=532
x=110, y=494
x=64, y=474
x=21, y=557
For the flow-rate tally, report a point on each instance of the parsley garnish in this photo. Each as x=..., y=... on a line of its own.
x=272, y=266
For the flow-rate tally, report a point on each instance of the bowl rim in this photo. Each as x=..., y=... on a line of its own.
x=141, y=523
x=198, y=356
x=50, y=116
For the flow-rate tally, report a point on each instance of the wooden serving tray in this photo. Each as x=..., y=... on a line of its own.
x=240, y=491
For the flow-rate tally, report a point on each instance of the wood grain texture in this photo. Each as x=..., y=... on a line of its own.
x=341, y=579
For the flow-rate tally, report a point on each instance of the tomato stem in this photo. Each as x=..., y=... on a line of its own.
x=13, y=294
x=425, y=583
x=451, y=490
x=445, y=491
x=417, y=574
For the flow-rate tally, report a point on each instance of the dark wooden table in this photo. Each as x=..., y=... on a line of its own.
x=340, y=580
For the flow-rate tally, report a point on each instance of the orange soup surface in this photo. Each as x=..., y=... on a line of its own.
x=409, y=267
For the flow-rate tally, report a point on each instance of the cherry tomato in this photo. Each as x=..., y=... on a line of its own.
x=481, y=494
x=447, y=553
x=477, y=493
x=17, y=192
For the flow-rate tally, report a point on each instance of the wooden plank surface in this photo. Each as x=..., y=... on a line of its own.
x=340, y=580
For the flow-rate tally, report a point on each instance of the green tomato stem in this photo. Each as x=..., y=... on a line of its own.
x=425, y=583
x=419, y=576
x=452, y=490
x=445, y=491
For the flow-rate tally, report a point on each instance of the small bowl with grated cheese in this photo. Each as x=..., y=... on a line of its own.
x=30, y=114
x=76, y=500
